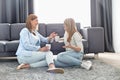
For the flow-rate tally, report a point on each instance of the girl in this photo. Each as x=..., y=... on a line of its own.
x=74, y=48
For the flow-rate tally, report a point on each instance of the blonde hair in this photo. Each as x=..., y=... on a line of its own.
x=30, y=18
x=71, y=27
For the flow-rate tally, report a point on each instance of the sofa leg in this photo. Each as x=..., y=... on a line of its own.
x=89, y=56
x=96, y=55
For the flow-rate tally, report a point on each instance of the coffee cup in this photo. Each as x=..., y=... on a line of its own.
x=57, y=38
x=49, y=46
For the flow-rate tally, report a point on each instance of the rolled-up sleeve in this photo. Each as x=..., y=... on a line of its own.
x=43, y=39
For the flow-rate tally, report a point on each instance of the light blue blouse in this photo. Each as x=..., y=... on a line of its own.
x=29, y=43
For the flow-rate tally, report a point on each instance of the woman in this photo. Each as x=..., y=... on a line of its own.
x=30, y=53
x=74, y=48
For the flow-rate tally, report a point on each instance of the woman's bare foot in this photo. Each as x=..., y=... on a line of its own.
x=23, y=66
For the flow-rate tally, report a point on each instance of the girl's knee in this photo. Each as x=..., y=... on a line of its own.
x=61, y=57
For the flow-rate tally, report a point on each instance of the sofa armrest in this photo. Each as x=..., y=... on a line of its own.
x=95, y=38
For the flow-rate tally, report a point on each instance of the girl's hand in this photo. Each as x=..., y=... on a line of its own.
x=68, y=46
x=75, y=48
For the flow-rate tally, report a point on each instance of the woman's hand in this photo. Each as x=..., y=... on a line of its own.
x=44, y=49
x=52, y=35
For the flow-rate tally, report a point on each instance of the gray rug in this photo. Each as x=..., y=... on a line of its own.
x=100, y=71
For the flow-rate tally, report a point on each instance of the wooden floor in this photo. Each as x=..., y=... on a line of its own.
x=109, y=58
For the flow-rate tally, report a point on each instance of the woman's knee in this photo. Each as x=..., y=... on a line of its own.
x=49, y=54
x=20, y=61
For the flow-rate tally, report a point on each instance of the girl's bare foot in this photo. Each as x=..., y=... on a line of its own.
x=53, y=69
x=56, y=70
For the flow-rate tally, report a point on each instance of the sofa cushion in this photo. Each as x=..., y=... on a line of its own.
x=56, y=47
x=15, y=30
x=2, y=46
x=58, y=28
x=7, y=54
x=78, y=26
x=4, y=31
x=11, y=46
x=85, y=44
x=42, y=29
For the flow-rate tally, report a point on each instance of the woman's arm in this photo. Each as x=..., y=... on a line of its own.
x=47, y=39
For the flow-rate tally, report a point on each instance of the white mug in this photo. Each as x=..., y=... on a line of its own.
x=49, y=46
x=57, y=38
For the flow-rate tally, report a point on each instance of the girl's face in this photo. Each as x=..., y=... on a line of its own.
x=34, y=23
x=65, y=27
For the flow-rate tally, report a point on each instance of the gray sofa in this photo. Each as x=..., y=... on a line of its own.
x=93, y=38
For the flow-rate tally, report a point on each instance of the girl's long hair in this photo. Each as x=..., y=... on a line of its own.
x=71, y=27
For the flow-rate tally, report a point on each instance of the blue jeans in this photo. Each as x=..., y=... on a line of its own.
x=69, y=58
x=37, y=59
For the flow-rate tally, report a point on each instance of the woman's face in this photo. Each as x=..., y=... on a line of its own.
x=34, y=23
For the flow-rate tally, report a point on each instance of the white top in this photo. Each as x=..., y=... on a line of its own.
x=76, y=40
